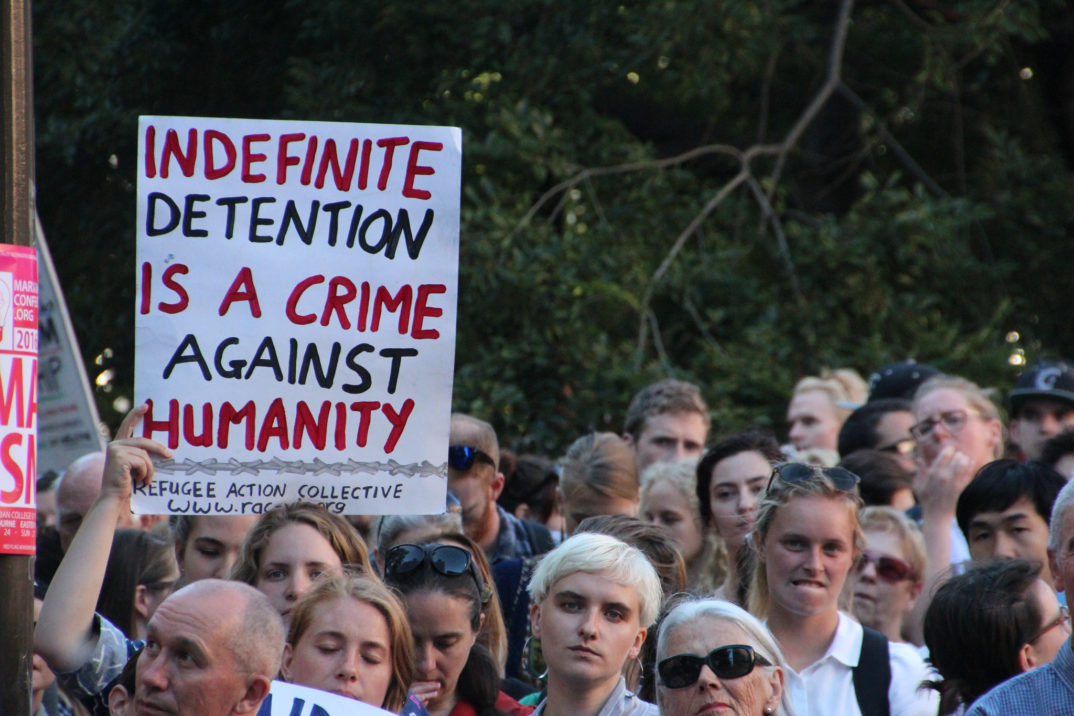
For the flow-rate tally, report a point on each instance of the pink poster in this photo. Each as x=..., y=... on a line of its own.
x=18, y=399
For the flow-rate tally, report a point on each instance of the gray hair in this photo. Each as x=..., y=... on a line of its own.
x=687, y=612
x=1063, y=502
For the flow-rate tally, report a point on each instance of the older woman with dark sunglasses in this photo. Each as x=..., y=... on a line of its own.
x=714, y=657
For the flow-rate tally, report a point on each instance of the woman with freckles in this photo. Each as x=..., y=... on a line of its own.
x=594, y=598
x=807, y=538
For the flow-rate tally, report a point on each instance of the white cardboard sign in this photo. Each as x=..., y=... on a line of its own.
x=295, y=313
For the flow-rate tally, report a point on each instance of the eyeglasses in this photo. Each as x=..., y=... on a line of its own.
x=890, y=569
x=727, y=662
x=1062, y=620
x=953, y=421
x=906, y=446
x=447, y=559
x=795, y=473
x=463, y=457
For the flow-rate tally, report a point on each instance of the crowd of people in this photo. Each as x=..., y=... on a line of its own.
x=906, y=552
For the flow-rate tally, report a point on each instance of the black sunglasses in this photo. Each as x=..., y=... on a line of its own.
x=447, y=559
x=727, y=662
x=463, y=457
x=795, y=473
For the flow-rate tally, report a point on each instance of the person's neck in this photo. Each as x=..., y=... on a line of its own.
x=490, y=531
x=443, y=705
x=803, y=640
x=575, y=699
x=892, y=630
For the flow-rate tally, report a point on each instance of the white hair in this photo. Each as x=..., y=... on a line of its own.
x=685, y=614
x=611, y=558
x=1063, y=502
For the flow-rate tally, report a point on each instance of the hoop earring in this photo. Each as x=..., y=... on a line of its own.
x=533, y=658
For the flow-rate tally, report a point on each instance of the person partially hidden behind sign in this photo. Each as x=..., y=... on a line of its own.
x=212, y=647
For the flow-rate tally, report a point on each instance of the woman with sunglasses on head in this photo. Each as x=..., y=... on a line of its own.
x=349, y=635
x=594, y=599
x=993, y=622
x=293, y=544
x=714, y=657
x=445, y=597
x=958, y=431
x=888, y=578
x=807, y=539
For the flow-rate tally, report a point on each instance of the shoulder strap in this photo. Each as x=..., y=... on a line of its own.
x=540, y=537
x=873, y=672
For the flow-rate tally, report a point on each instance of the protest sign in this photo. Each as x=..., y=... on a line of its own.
x=286, y=699
x=18, y=399
x=295, y=313
x=67, y=416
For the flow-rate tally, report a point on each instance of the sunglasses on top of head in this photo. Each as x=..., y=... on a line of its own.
x=726, y=662
x=446, y=559
x=796, y=473
x=463, y=457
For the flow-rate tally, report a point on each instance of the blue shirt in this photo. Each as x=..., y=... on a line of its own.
x=1048, y=689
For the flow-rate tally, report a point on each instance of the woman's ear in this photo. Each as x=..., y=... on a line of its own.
x=775, y=682
x=141, y=602
x=535, y=621
x=639, y=639
x=288, y=658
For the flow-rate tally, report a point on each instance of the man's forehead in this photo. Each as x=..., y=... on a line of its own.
x=196, y=614
x=1023, y=506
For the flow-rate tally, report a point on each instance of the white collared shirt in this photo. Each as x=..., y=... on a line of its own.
x=826, y=687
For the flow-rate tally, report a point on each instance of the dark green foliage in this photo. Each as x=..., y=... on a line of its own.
x=923, y=213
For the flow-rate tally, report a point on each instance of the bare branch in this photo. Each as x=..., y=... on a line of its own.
x=680, y=241
x=831, y=83
x=777, y=228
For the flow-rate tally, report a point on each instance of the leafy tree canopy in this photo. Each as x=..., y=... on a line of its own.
x=736, y=193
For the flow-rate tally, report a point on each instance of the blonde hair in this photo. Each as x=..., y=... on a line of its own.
x=709, y=565
x=601, y=463
x=877, y=518
x=611, y=558
x=844, y=387
x=345, y=540
x=368, y=591
x=780, y=493
x=978, y=398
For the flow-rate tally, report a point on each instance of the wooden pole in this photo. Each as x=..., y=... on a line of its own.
x=17, y=218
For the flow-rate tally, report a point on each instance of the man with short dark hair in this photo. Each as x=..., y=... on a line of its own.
x=475, y=479
x=882, y=425
x=667, y=421
x=1048, y=689
x=1042, y=406
x=1005, y=510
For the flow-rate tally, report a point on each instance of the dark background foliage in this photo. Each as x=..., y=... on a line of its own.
x=924, y=212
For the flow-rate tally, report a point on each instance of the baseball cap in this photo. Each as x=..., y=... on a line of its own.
x=1048, y=379
x=899, y=380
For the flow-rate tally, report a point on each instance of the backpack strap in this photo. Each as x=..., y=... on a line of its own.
x=872, y=675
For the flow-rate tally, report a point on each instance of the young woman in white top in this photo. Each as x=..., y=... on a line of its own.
x=807, y=539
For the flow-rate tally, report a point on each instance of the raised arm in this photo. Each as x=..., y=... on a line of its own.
x=64, y=634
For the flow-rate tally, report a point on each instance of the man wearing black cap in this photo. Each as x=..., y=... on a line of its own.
x=1042, y=406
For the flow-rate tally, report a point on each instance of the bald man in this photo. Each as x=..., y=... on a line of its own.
x=79, y=487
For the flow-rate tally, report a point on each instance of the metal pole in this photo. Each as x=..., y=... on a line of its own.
x=17, y=218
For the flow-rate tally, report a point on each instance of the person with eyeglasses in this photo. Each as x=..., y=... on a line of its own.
x=475, y=479
x=882, y=425
x=594, y=598
x=990, y=624
x=807, y=539
x=445, y=596
x=715, y=657
x=888, y=576
x=958, y=431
